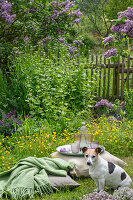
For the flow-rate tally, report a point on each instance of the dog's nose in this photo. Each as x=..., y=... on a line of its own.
x=88, y=163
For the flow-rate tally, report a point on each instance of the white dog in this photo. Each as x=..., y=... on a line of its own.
x=103, y=172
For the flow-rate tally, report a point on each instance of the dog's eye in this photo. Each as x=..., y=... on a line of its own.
x=86, y=156
x=93, y=156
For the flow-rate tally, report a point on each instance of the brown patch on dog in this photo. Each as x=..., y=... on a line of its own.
x=84, y=149
x=98, y=150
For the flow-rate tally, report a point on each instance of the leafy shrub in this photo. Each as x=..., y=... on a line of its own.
x=103, y=107
x=30, y=22
x=9, y=123
x=128, y=97
x=121, y=40
x=52, y=87
x=7, y=98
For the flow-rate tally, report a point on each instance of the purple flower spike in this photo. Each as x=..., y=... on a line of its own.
x=14, y=111
x=26, y=39
x=61, y=40
x=108, y=39
x=77, y=20
x=46, y=39
x=7, y=125
x=103, y=102
x=109, y=53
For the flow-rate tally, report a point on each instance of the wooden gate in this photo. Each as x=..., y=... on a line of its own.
x=111, y=78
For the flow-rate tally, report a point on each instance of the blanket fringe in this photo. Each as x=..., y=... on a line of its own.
x=18, y=192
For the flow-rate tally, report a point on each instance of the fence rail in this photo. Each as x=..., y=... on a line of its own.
x=111, y=78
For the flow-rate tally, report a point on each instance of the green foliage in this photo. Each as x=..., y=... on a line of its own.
x=128, y=97
x=7, y=98
x=95, y=12
x=34, y=21
x=115, y=6
x=52, y=87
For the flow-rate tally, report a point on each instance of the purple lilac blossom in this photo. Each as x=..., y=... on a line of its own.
x=77, y=13
x=27, y=39
x=77, y=20
x=15, y=40
x=128, y=13
x=108, y=39
x=54, y=15
x=64, y=11
x=30, y=10
x=1, y=122
x=64, y=3
x=103, y=102
x=5, y=12
x=75, y=48
x=75, y=42
x=117, y=28
x=110, y=52
x=46, y=39
x=61, y=40
x=76, y=55
x=128, y=28
x=54, y=3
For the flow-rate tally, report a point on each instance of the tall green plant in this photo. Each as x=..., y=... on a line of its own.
x=7, y=98
x=52, y=87
x=128, y=96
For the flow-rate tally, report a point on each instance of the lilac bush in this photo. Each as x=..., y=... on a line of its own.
x=34, y=22
x=9, y=122
x=110, y=52
x=123, y=33
x=5, y=12
x=103, y=107
x=103, y=102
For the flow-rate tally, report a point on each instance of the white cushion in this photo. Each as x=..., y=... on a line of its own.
x=81, y=168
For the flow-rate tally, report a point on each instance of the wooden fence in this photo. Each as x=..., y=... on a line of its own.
x=111, y=78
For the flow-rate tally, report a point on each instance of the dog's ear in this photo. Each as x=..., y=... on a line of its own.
x=84, y=149
x=98, y=150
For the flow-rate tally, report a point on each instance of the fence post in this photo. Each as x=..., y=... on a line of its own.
x=118, y=77
x=122, y=79
x=108, y=78
x=128, y=66
x=104, y=78
x=99, y=92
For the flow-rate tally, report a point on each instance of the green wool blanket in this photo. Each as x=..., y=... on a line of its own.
x=30, y=176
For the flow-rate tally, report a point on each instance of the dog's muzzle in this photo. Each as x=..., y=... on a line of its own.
x=89, y=163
